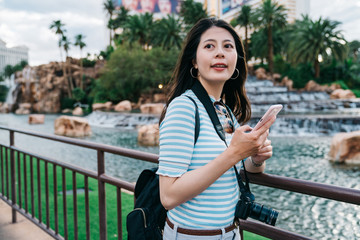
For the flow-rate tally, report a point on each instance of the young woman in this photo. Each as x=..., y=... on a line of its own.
x=197, y=181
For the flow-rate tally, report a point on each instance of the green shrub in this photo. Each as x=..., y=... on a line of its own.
x=356, y=92
x=67, y=103
x=78, y=94
x=300, y=74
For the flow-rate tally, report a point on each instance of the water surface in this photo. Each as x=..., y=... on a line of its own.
x=302, y=157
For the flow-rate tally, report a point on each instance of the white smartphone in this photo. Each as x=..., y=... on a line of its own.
x=272, y=111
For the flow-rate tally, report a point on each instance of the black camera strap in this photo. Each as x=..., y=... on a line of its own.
x=204, y=98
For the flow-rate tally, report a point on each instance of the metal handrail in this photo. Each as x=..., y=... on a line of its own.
x=337, y=193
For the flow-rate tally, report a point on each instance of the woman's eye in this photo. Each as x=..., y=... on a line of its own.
x=208, y=46
x=229, y=46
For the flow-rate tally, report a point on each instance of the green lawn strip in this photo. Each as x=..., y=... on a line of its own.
x=127, y=200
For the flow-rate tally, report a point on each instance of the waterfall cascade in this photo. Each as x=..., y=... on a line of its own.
x=12, y=86
x=304, y=113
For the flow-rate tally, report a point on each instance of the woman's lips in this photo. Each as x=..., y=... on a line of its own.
x=219, y=67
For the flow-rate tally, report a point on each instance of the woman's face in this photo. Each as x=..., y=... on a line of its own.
x=216, y=56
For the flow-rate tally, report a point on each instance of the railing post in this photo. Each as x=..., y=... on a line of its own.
x=12, y=169
x=102, y=199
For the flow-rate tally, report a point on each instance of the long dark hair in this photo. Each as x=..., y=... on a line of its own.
x=234, y=89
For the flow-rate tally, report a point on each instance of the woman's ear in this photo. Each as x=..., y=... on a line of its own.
x=194, y=64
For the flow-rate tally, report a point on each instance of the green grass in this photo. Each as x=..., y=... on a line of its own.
x=127, y=200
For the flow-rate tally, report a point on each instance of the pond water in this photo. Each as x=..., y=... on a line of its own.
x=302, y=157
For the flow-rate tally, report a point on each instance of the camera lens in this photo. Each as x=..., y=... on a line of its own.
x=263, y=214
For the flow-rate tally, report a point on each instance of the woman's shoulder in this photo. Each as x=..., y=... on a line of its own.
x=183, y=100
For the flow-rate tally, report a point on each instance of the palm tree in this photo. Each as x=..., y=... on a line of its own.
x=138, y=29
x=244, y=20
x=79, y=42
x=314, y=40
x=109, y=8
x=122, y=17
x=167, y=33
x=191, y=12
x=269, y=15
x=58, y=27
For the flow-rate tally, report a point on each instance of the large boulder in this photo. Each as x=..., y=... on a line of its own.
x=123, y=106
x=345, y=148
x=152, y=108
x=36, y=118
x=148, y=135
x=78, y=111
x=102, y=106
x=72, y=126
x=313, y=86
x=286, y=82
x=342, y=94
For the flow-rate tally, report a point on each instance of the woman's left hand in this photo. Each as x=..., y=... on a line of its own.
x=264, y=153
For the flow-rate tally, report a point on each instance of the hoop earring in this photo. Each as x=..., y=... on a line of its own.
x=191, y=73
x=238, y=73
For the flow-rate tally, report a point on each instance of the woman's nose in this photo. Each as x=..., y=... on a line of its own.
x=219, y=53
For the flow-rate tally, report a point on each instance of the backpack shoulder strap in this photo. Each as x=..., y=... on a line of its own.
x=197, y=119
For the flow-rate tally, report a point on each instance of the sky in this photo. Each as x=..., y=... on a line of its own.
x=26, y=22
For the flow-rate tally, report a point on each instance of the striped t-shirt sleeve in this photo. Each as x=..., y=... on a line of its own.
x=177, y=133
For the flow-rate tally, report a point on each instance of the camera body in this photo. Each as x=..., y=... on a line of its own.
x=247, y=207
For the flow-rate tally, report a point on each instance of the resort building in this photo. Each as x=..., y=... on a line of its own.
x=228, y=9
x=12, y=56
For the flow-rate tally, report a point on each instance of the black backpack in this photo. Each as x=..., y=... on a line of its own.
x=147, y=220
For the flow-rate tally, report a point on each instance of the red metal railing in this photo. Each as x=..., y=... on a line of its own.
x=19, y=199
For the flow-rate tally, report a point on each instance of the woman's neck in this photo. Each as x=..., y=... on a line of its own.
x=213, y=88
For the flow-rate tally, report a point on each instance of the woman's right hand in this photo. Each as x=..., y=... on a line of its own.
x=246, y=142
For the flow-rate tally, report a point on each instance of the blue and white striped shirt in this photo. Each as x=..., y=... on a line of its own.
x=214, y=207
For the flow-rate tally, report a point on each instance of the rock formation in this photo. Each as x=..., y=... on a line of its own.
x=152, y=108
x=123, y=106
x=72, y=126
x=148, y=135
x=36, y=118
x=342, y=94
x=345, y=148
x=45, y=85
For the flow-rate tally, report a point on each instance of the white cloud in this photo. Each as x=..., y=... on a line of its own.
x=30, y=27
x=346, y=12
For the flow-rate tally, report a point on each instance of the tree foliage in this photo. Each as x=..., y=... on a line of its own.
x=268, y=16
x=191, y=12
x=167, y=33
x=311, y=41
x=131, y=72
x=244, y=19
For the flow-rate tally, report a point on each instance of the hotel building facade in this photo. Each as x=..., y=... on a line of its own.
x=12, y=56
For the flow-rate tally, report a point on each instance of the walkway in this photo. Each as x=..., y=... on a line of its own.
x=23, y=229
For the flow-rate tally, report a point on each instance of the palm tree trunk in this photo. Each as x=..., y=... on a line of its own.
x=317, y=68
x=270, y=50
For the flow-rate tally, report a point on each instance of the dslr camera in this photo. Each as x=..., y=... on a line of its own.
x=247, y=207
